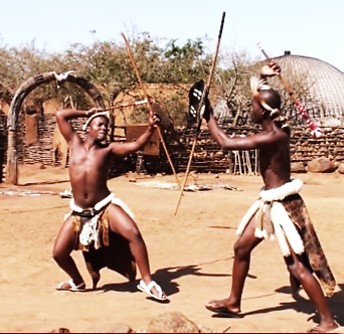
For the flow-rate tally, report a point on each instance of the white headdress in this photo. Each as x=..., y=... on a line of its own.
x=97, y=114
x=259, y=84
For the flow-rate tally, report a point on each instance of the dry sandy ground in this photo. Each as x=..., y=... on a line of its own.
x=190, y=254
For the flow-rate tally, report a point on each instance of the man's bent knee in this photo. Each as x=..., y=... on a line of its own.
x=241, y=251
x=60, y=256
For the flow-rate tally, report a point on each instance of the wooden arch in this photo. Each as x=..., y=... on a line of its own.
x=15, y=106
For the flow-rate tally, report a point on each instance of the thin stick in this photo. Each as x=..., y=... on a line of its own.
x=226, y=329
x=151, y=111
x=200, y=105
x=256, y=162
x=120, y=106
x=315, y=130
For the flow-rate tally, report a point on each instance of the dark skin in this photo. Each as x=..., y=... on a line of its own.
x=88, y=169
x=272, y=143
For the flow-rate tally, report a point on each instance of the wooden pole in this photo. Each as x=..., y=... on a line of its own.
x=149, y=105
x=126, y=105
x=200, y=105
x=12, y=159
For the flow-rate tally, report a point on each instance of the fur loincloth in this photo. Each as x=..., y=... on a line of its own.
x=100, y=246
x=90, y=226
x=281, y=213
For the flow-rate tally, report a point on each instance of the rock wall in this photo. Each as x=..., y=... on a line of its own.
x=209, y=158
x=207, y=155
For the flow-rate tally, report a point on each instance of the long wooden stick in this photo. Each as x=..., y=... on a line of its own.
x=315, y=130
x=151, y=111
x=120, y=106
x=200, y=105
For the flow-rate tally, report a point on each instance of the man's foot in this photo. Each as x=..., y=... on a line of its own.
x=153, y=289
x=221, y=308
x=333, y=328
x=71, y=286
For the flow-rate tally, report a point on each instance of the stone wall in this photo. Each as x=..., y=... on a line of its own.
x=40, y=151
x=207, y=155
x=303, y=148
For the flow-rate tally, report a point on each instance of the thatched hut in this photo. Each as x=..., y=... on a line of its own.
x=322, y=87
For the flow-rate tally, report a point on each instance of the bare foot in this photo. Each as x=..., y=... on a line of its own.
x=325, y=328
x=222, y=307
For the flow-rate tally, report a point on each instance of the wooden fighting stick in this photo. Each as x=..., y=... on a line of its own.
x=315, y=130
x=151, y=111
x=200, y=106
x=126, y=105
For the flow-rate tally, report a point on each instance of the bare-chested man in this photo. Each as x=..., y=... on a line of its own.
x=279, y=212
x=96, y=211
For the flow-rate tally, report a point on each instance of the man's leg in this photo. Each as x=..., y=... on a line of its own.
x=242, y=256
x=122, y=224
x=63, y=247
x=313, y=289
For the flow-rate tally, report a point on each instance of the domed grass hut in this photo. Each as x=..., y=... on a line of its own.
x=318, y=85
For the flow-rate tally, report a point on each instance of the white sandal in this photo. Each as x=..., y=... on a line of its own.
x=148, y=290
x=71, y=286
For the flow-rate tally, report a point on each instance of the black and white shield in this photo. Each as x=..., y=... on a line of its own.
x=195, y=96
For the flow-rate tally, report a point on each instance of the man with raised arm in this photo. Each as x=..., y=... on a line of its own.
x=96, y=212
x=279, y=212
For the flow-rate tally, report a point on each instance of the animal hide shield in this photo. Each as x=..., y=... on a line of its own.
x=153, y=145
x=195, y=95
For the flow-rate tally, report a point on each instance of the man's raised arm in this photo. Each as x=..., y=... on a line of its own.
x=64, y=116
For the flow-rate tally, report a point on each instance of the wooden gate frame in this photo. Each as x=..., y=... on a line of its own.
x=27, y=87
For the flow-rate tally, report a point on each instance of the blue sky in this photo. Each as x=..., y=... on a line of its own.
x=311, y=28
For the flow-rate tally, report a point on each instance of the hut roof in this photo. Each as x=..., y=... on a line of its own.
x=325, y=83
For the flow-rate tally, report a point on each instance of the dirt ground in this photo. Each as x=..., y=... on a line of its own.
x=191, y=255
